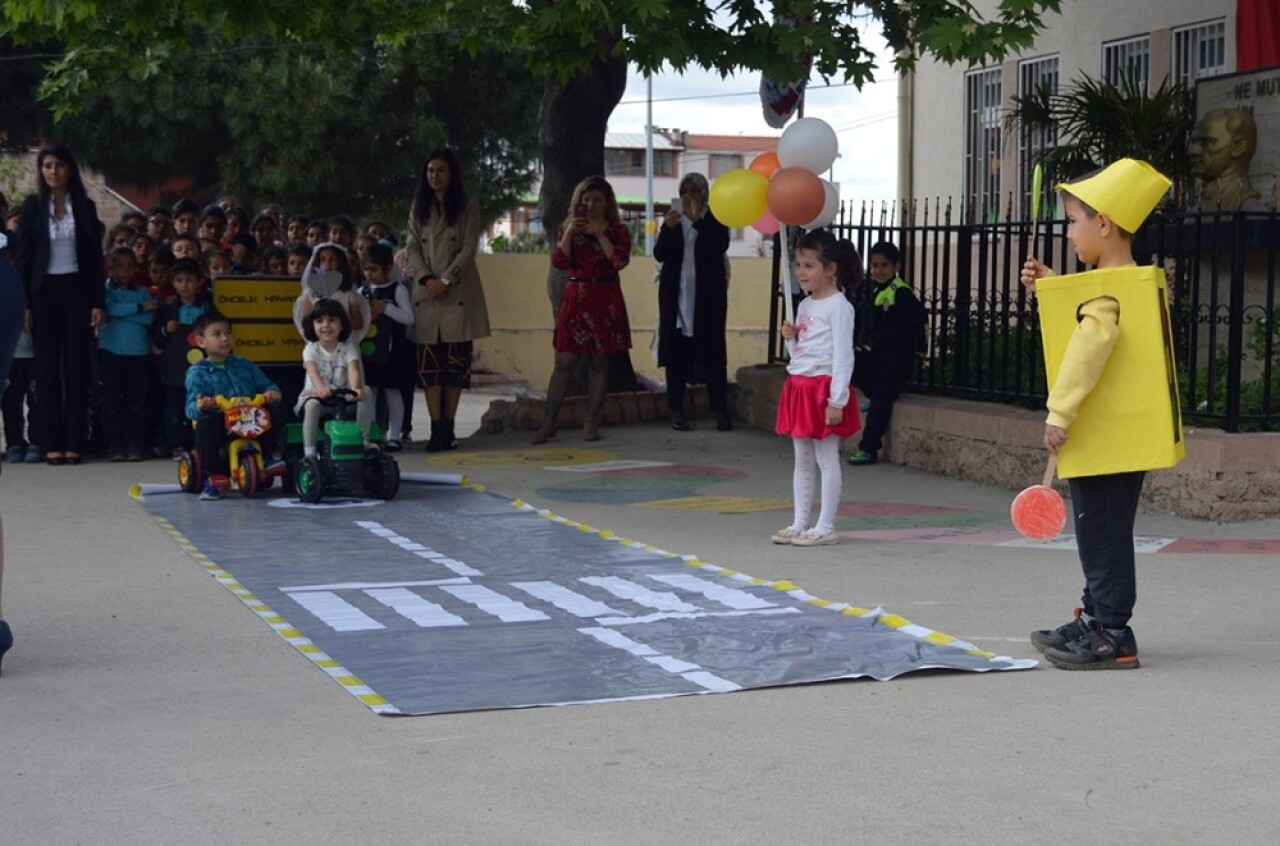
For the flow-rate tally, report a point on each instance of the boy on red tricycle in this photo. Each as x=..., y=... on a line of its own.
x=229, y=400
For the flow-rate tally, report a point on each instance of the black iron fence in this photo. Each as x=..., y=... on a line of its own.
x=984, y=333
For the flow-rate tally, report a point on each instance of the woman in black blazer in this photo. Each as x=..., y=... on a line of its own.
x=58, y=252
x=693, y=301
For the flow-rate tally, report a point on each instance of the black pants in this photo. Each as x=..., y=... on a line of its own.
x=177, y=428
x=881, y=378
x=1105, y=508
x=61, y=337
x=156, y=431
x=680, y=367
x=211, y=437
x=408, y=388
x=16, y=396
x=124, y=400
x=12, y=309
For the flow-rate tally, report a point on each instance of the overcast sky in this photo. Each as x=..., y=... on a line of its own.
x=702, y=103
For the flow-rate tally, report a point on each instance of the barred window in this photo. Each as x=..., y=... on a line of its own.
x=1034, y=75
x=1128, y=58
x=1199, y=51
x=982, y=108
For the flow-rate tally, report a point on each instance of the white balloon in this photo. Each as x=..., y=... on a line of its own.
x=809, y=143
x=830, y=206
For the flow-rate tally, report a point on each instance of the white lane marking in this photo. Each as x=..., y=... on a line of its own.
x=491, y=602
x=565, y=599
x=410, y=545
x=690, y=672
x=335, y=612
x=408, y=604
x=639, y=594
x=653, y=618
x=732, y=597
x=460, y=580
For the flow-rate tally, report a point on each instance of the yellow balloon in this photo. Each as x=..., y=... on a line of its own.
x=738, y=197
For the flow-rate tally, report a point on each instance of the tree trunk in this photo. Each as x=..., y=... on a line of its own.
x=572, y=122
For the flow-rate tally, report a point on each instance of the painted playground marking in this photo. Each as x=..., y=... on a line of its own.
x=549, y=455
x=720, y=504
x=598, y=476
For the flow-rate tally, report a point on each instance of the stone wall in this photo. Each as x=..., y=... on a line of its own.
x=1224, y=476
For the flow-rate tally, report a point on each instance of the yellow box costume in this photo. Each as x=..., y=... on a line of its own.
x=1131, y=419
x=1109, y=355
x=1108, y=345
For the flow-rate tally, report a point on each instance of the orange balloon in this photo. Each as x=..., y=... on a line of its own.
x=1038, y=512
x=766, y=163
x=796, y=195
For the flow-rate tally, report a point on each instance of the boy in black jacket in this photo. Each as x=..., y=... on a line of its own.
x=897, y=340
x=172, y=334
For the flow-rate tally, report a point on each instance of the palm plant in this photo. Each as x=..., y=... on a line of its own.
x=1097, y=122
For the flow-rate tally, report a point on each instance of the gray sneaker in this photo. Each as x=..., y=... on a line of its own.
x=34, y=455
x=1099, y=649
x=1058, y=638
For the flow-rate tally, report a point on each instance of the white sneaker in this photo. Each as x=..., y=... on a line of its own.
x=812, y=537
x=787, y=535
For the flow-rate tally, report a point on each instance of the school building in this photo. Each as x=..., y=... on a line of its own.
x=1149, y=41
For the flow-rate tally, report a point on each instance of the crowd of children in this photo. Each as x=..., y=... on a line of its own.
x=158, y=270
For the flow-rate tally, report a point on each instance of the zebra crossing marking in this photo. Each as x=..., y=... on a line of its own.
x=410, y=605
x=410, y=545
x=325, y=604
x=689, y=671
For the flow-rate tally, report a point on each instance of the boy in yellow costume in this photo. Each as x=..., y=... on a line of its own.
x=1113, y=401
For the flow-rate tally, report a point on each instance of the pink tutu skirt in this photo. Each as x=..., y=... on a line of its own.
x=802, y=409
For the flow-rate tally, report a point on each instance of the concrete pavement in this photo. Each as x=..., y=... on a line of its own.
x=144, y=704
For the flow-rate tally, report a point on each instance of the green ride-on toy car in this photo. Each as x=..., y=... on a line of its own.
x=341, y=465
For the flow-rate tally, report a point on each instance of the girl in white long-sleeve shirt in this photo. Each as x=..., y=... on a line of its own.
x=816, y=408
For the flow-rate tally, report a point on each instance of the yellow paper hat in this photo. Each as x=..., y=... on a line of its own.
x=1125, y=191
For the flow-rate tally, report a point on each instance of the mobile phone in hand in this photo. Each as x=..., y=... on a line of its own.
x=676, y=205
x=580, y=210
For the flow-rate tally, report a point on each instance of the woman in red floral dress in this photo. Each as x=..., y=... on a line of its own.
x=592, y=245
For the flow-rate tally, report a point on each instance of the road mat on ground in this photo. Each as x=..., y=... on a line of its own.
x=456, y=599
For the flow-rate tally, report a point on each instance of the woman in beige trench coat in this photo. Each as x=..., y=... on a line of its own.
x=448, y=301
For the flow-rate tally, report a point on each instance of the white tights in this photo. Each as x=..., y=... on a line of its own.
x=315, y=411
x=825, y=456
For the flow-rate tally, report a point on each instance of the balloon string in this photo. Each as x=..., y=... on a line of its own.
x=786, y=285
x=1050, y=469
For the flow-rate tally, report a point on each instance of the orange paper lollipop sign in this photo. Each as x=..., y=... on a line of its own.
x=766, y=164
x=796, y=195
x=1038, y=512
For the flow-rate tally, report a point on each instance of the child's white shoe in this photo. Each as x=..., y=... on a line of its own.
x=812, y=537
x=787, y=535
